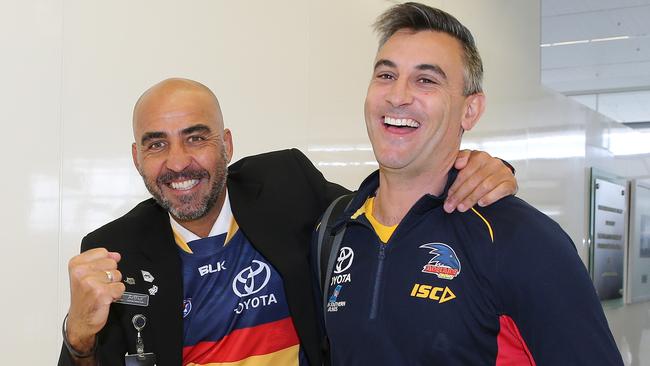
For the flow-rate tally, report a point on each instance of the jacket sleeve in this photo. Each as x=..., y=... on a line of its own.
x=110, y=351
x=324, y=189
x=548, y=297
x=64, y=357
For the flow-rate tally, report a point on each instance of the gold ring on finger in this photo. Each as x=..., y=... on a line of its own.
x=109, y=276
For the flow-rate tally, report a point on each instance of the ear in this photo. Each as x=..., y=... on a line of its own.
x=134, y=155
x=227, y=143
x=473, y=110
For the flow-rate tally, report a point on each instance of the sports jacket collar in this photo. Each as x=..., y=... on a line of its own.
x=370, y=185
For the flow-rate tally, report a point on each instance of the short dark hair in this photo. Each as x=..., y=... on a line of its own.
x=419, y=17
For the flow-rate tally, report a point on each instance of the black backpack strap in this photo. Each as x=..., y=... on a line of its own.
x=328, y=244
x=326, y=251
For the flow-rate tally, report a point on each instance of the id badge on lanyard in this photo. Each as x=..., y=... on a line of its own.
x=140, y=358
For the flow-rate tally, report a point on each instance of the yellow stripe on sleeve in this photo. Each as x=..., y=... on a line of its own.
x=486, y=223
x=287, y=356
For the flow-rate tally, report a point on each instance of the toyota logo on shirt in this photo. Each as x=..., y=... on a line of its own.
x=251, y=279
x=344, y=260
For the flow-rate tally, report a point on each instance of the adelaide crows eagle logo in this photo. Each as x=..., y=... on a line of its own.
x=444, y=264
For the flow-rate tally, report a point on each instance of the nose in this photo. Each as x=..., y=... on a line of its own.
x=400, y=93
x=178, y=158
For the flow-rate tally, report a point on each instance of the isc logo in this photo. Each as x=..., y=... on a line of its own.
x=438, y=294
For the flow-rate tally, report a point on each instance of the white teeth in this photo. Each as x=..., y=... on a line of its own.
x=184, y=185
x=401, y=122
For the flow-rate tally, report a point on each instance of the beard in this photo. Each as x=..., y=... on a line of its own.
x=192, y=206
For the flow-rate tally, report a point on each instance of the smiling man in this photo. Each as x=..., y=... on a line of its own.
x=410, y=284
x=186, y=177
x=214, y=269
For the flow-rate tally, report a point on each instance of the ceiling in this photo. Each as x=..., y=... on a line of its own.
x=595, y=45
x=599, y=48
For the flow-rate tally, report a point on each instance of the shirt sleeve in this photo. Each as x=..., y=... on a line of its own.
x=546, y=292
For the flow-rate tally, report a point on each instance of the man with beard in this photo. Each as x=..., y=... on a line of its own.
x=213, y=269
x=414, y=285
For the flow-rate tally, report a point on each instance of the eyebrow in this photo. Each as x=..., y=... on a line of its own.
x=384, y=62
x=425, y=67
x=196, y=128
x=152, y=135
x=200, y=128
x=433, y=68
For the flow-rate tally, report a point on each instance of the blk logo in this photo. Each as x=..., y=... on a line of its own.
x=251, y=279
x=344, y=260
x=208, y=268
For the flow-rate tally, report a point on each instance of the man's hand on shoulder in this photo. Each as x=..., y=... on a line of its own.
x=481, y=179
x=95, y=283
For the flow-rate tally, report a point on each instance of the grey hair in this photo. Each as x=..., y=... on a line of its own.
x=419, y=17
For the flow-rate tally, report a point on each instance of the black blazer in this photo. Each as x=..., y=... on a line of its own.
x=276, y=199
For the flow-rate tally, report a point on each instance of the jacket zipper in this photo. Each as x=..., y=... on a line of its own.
x=374, y=305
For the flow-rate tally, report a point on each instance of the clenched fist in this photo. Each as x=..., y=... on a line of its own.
x=95, y=283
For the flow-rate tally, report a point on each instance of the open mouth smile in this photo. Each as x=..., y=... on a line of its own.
x=400, y=126
x=184, y=185
x=401, y=122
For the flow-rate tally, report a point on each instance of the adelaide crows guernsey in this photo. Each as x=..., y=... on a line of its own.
x=234, y=309
x=500, y=285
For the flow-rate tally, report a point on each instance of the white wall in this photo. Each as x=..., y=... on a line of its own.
x=288, y=73
x=30, y=106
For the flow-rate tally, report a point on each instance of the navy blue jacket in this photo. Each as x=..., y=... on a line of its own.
x=496, y=285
